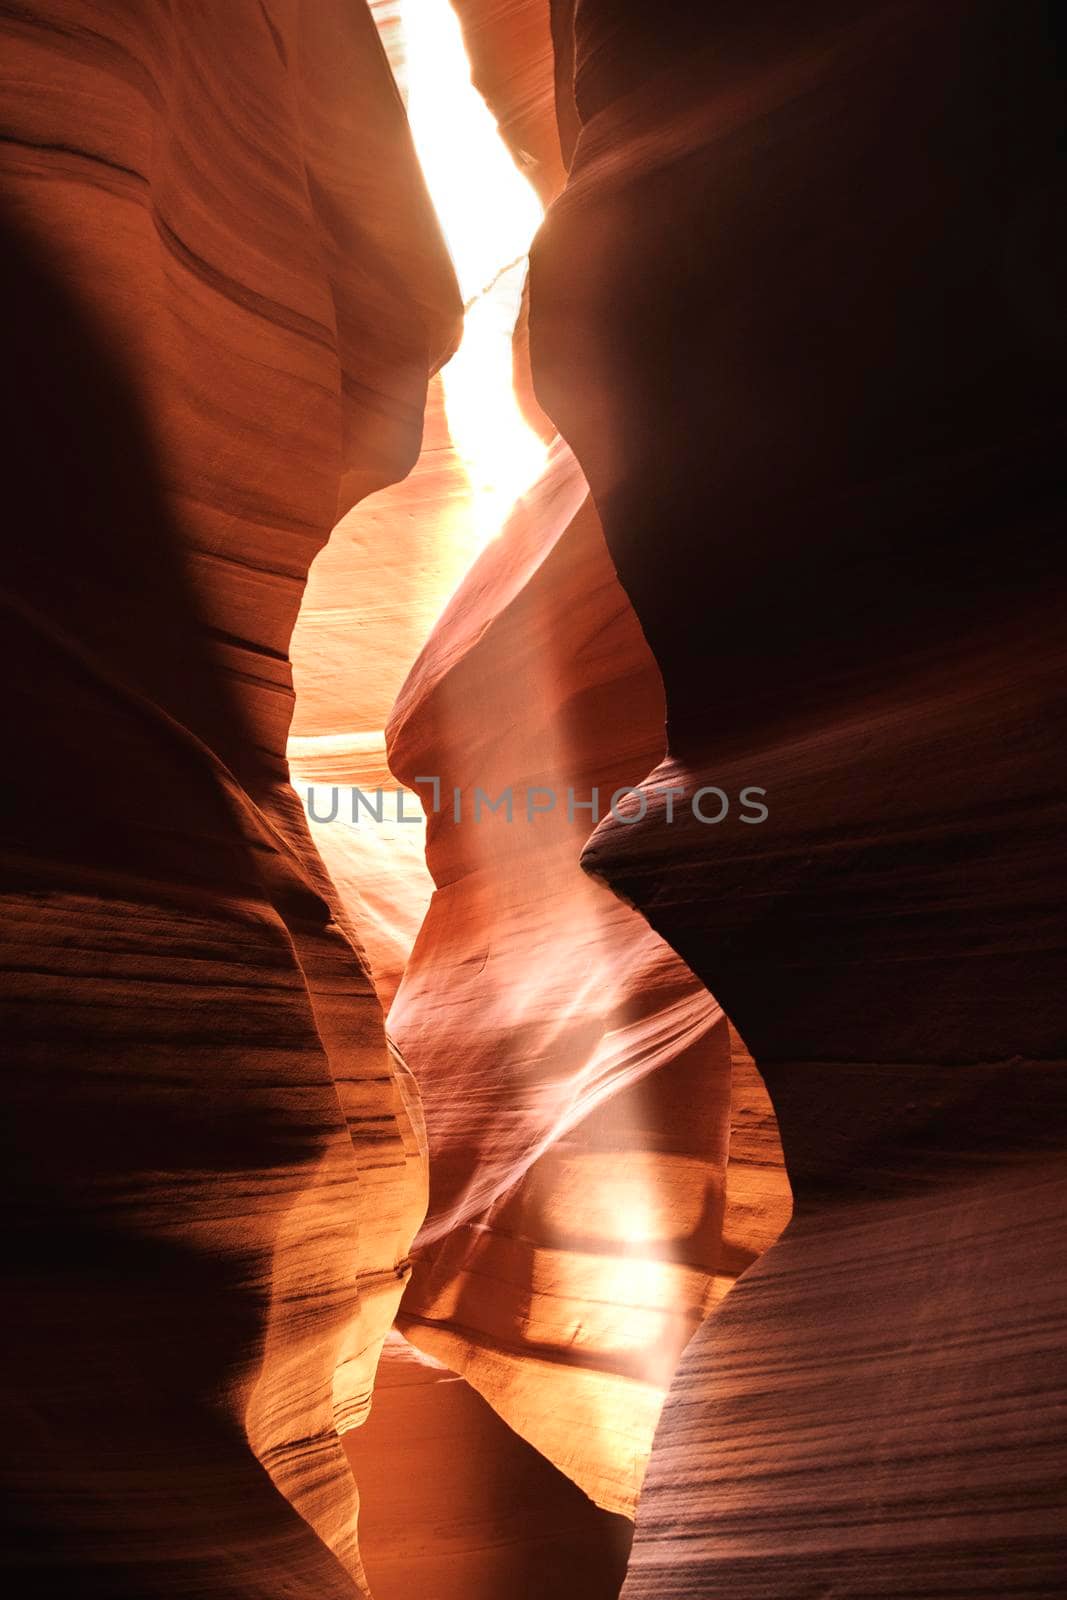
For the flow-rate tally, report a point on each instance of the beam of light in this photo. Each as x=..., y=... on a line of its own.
x=489, y=213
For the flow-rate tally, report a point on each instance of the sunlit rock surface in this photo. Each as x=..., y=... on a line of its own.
x=222, y=315
x=574, y=1076
x=576, y=1082
x=796, y=314
x=376, y=591
x=372, y=598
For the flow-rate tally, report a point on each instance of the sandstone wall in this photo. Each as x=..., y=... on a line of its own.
x=799, y=316
x=225, y=291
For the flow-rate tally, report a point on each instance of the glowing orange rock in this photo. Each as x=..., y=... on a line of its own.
x=575, y=1078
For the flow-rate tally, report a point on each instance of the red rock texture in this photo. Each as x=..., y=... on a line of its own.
x=372, y=597
x=376, y=590
x=798, y=314
x=575, y=1080
x=574, y=1076
x=513, y=66
x=454, y=1504
x=228, y=290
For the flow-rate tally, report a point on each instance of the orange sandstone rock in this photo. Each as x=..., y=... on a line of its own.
x=228, y=291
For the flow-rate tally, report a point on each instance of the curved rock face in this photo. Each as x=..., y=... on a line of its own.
x=376, y=590
x=454, y=1504
x=796, y=315
x=217, y=1170
x=575, y=1077
x=512, y=48
x=372, y=597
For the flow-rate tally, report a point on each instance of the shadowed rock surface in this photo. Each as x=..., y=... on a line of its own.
x=454, y=1503
x=220, y=336
x=799, y=314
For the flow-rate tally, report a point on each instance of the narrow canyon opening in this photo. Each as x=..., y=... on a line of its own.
x=376, y=590
x=583, y=1225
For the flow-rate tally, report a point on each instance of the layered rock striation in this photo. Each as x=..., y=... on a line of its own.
x=574, y=1076
x=798, y=315
x=228, y=289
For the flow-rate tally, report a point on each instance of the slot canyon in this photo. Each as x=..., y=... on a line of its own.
x=534, y=854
